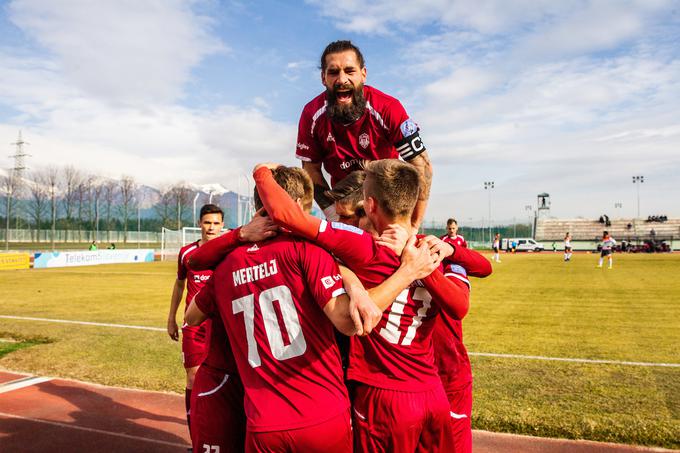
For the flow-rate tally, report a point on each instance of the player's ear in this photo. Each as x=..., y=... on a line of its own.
x=363, y=74
x=323, y=78
x=299, y=203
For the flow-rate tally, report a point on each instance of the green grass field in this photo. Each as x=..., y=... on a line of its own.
x=533, y=305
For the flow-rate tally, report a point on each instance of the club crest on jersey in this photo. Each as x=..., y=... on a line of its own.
x=408, y=128
x=330, y=138
x=363, y=140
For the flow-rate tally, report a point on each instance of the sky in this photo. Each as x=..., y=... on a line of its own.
x=572, y=98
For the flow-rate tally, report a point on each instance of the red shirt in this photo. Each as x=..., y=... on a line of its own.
x=219, y=356
x=376, y=135
x=451, y=356
x=457, y=241
x=195, y=279
x=398, y=353
x=270, y=296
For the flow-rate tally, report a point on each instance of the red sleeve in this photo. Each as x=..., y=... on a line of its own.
x=464, y=243
x=474, y=263
x=181, y=268
x=452, y=294
x=306, y=149
x=396, y=116
x=321, y=273
x=352, y=245
x=205, y=299
x=210, y=254
x=281, y=208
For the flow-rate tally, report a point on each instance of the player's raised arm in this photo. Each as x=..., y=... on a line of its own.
x=474, y=262
x=424, y=166
x=210, y=254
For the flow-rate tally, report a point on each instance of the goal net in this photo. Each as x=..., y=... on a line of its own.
x=173, y=240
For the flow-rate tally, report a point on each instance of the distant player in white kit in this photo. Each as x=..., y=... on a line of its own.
x=496, y=248
x=608, y=244
x=567, y=247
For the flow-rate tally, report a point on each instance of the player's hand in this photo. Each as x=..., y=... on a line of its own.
x=394, y=238
x=438, y=247
x=269, y=165
x=173, y=329
x=418, y=259
x=259, y=228
x=363, y=311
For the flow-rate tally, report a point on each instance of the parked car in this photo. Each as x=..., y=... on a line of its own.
x=523, y=245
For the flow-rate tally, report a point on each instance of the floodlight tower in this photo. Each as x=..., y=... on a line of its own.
x=13, y=184
x=637, y=180
x=489, y=185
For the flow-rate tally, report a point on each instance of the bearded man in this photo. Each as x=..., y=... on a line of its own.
x=350, y=123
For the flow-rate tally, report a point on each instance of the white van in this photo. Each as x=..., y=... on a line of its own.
x=523, y=245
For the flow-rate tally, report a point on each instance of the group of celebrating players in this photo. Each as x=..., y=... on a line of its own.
x=311, y=335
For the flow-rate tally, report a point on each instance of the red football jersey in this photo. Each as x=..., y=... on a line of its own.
x=195, y=279
x=270, y=296
x=383, y=132
x=398, y=353
x=457, y=241
x=219, y=355
x=450, y=353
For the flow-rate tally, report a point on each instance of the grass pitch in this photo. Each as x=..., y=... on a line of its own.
x=533, y=305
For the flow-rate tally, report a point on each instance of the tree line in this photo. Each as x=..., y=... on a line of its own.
x=65, y=198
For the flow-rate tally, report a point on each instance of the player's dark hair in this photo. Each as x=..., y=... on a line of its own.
x=394, y=185
x=349, y=190
x=296, y=182
x=341, y=46
x=211, y=209
x=605, y=233
x=451, y=221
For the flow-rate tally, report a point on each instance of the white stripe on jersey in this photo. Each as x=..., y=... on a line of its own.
x=316, y=116
x=459, y=277
x=195, y=246
x=376, y=115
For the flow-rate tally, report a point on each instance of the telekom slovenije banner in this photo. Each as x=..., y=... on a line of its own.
x=14, y=261
x=67, y=259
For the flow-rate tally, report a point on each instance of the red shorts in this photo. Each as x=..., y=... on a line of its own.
x=460, y=402
x=332, y=436
x=217, y=418
x=395, y=421
x=195, y=344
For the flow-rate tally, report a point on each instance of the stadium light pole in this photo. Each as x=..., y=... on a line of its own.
x=489, y=185
x=637, y=180
x=195, y=199
x=528, y=208
x=618, y=205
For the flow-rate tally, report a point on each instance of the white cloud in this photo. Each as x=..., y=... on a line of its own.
x=127, y=51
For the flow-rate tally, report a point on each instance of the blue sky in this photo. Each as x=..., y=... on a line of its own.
x=570, y=98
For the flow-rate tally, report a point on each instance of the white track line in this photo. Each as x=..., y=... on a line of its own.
x=93, y=430
x=479, y=354
x=21, y=383
x=84, y=323
x=567, y=359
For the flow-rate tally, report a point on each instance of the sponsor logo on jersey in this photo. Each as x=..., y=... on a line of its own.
x=364, y=141
x=302, y=146
x=327, y=282
x=253, y=249
x=254, y=273
x=201, y=278
x=330, y=138
x=408, y=128
x=348, y=163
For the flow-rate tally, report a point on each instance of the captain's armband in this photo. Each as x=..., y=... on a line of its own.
x=410, y=147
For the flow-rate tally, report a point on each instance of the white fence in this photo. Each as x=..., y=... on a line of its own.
x=80, y=236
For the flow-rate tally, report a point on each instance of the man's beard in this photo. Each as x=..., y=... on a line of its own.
x=346, y=113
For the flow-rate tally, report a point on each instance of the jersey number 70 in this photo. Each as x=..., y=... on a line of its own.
x=291, y=323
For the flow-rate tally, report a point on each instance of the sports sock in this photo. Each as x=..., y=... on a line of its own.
x=601, y=260
x=187, y=405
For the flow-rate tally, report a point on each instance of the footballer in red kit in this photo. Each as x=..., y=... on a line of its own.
x=194, y=338
x=279, y=300
x=452, y=236
x=395, y=363
x=351, y=122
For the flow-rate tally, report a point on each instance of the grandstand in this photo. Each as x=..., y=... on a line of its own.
x=586, y=233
